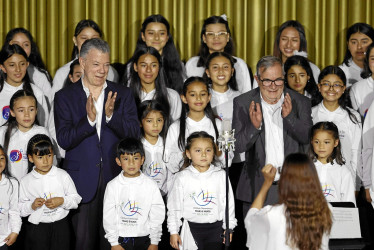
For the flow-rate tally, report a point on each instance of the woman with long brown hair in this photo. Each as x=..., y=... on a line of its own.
x=301, y=219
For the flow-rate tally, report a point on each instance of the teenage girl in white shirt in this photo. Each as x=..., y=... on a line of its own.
x=155, y=32
x=359, y=37
x=13, y=65
x=197, y=115
x=216, y=37
x=199, y=197
x=148, y=82
x=37, y=70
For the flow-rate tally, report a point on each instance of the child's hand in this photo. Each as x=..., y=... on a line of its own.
x=38, y=202
x=12, y=237
x=175, y=241
x=153, y=247
x=117, y=247
x=54, y=202
x=224, y=237
x=268, y=171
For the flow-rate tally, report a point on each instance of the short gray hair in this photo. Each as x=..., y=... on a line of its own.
x=267, y=62
x=94, y=43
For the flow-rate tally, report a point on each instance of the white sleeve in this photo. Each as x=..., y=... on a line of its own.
x=43, y=111
x=14, y=213
x=113, y=75
x=156, y=216
x=352, y=95
x=173, y=156
x=175, y=105
x=257, y=226
x=367, y=147
x=232, y=219
x=348, y=188
x=356, y=163
x=110, y=215
x=24, y=202
x=175, y=206
x=243, y=78
x=71, y=198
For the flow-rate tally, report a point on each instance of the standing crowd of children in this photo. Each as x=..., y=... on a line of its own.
x=175, y=169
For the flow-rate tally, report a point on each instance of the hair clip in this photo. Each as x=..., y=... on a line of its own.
x=300, y=53
x=224, y=17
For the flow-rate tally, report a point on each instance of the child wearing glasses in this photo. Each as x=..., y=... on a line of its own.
x=333, y=108
x=216, y=37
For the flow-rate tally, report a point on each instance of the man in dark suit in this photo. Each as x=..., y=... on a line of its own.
x=270, y=122
x=91, y=116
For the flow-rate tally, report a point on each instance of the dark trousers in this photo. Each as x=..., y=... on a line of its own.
x=207, y=236
x=88, y=223
x=135, y=243
x=4, y=247
x=48, y=236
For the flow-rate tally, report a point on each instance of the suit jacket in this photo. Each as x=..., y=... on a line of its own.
x=85, y=153
x=296, y=129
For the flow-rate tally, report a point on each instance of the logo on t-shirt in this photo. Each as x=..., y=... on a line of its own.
x=6, y=112
x=2, y=210
x=328, y=190
x=204, y=198
x=15, y=155
x=153, y=169
x=130, y=208
x=47, y=195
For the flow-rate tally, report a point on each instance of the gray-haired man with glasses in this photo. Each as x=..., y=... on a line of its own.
x=270, y=122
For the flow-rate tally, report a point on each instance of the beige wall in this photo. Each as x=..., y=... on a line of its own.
x=253, y=24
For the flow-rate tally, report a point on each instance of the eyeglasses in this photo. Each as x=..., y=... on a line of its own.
x=268, y=82
x=335, y=86
x=211, y=34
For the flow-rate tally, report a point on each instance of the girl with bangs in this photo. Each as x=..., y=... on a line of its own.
x=301, y=219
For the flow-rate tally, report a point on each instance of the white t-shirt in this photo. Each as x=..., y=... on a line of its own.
x=175, y=102
x=367, y=152
x=10, y=219
x=200, y=198
x=40, y=79
x=266, y=229
x=56, y=183
x=352, y=72
x=223, y=103
x=349, y=135
x=336, y=182
x=362, y=95
x=243, y=78
x=7, y=93
x=17, y=149
x=154, y=166
x=173, y=154
x=133, y=207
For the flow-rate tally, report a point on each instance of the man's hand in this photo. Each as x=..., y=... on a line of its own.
x=90, y=108
x=109, y=104
x=255, y=114
x=286, y=106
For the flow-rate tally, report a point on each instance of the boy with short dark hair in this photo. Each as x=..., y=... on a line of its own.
x=133, y=207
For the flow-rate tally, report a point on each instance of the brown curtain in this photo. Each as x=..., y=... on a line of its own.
x=253, y=24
